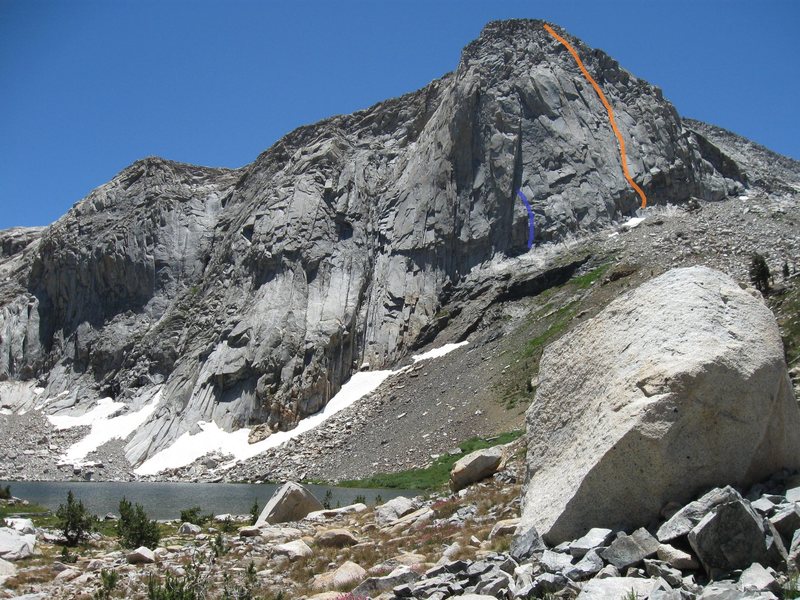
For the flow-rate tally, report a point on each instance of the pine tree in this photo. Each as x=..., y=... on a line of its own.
x=759, y=273
x=74, y=520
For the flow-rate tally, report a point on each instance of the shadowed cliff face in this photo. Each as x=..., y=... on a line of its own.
x=251, y=295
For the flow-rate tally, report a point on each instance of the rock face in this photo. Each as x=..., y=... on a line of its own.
x=676, y=386
x=292, y=502
x=249, y=296
x=15, y=545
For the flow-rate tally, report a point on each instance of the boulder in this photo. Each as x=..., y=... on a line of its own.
x=21, y=525
x=7, y=570
x=504, y=527
x=330, y=513
x=294, y=550
x=594, y=538
x=629, y=550
x=787, y=521
x=617, y=587
x=756, y=578
x=394, y=509
x=291, y=502
x=794, y=552
x=677, y=558
x=476, y=466
x=526, y=543
x=587, y=567
x=337, y=538
x=683, y=521
x=348, y=574
x=189, y=529
x=142, y=555
x=555, y=562
x=677, y=386
x=377, y=585
x=15, y=545
x=733, y=536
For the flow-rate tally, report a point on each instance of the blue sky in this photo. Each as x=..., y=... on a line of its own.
x=87, y=87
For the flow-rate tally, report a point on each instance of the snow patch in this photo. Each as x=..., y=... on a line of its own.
x=104, y=408
x=633, y=222
x=188, y=448
x=104, y=427
x=437, y=352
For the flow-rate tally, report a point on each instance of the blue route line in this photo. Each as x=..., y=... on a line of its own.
x=530, y=217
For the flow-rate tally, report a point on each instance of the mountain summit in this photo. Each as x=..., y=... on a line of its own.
x=185, y=294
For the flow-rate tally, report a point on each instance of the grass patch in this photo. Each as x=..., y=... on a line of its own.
x=434, y=476
x=562, y=318
x=586, y=280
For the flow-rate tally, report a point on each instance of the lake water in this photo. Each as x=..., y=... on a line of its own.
x=166, y=500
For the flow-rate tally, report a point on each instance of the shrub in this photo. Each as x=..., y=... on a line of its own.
x=192, y=515
x=326, y=501
x=244, y=590
x=192, y=586
x=108, y=583
x=228, y=525
x=360, y=499
x=759, y=273
x=74, y=520
x=218, y=545
x=134, y=527
x=5, y=492
x=785, y=270
x=254, y=512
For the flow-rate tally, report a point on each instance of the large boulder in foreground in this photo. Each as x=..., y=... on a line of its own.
x=676, y=387
x=476, y=466
x=292, y=502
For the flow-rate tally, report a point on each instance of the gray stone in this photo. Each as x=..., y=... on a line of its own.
x=617, y=587
x=793, y=495
x=526, y=543
x=764, y=506
x=756, y=578
x=630, y=550
x=588, y=566
x=728, y=591
x=372, y=586
x=677, y=558
x=394, y=509
x=142, y=555
x=476, y=466
x=682, y=522
x=594, y=538
x=7, y=570
x=623, y=442
x=555, y=562
x=291, y=502
x=191, y=529
x=15, y=545
x=656, y=569
x=294, y=550
x=733, y=537
x=794, y=551
x=787, y=521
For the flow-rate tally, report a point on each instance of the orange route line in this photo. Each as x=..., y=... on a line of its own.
x=623, y=156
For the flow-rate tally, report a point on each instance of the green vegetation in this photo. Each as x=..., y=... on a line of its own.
x=786, y=306
x=586, y=280
x=243, y=591
x=562, y=317
x=255, y=511
x=134, y=527
x=108, y=583
x=74, y=520
x=5, y=492
x=759, y=273
x=434, y=476
x=791, y=588
x=192, y=515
